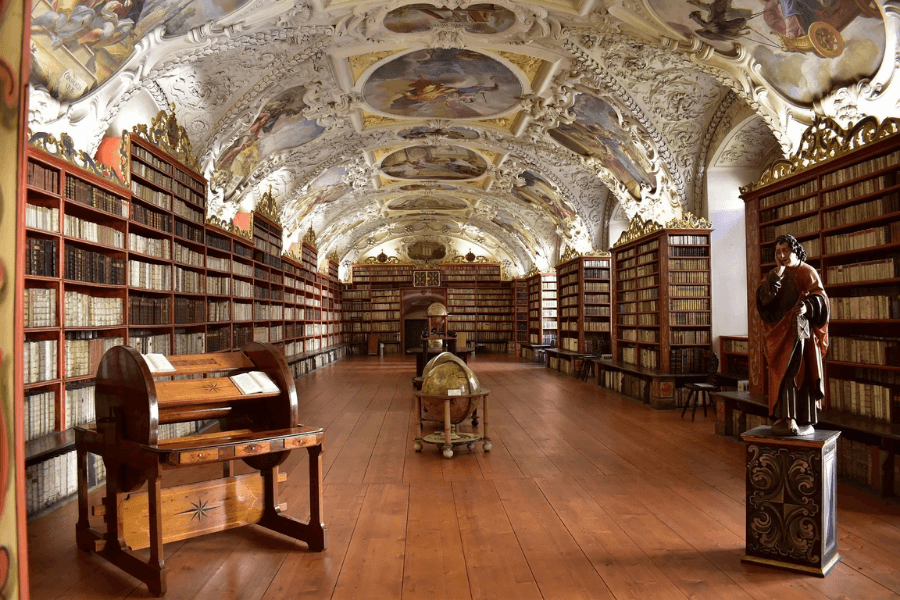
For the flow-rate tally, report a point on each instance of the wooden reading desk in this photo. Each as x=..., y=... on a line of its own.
x=261, y=429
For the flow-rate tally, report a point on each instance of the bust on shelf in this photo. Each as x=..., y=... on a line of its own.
x=794, y=309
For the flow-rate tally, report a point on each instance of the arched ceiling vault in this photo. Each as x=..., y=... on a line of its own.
x=511, y=129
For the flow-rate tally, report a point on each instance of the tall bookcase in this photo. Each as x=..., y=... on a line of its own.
x=663, y=302
x=542, y=309
x=373, y=301
x=520, y=296
x=840, y=197
x=583, y=292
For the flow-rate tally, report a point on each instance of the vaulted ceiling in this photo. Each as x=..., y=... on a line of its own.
x=510, y=129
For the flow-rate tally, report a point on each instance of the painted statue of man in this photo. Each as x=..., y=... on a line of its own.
x=794, y=310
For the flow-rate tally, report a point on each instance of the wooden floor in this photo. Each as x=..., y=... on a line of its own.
x=586, y=494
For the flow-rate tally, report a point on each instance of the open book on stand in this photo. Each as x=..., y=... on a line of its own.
x=254, y=382
x=158, y=363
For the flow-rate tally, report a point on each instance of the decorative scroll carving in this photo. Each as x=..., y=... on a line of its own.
x=823, y=140
x=266, y=207
x=310, y=237
x=689, y=221
x=534, y=271
x=333, y=257
x=569, y=254
x=638, y=229
x=469, y=258
x=165, y=133
x=64, y=148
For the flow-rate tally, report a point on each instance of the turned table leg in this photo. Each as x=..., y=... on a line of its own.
x=448, y=446
x=484, y=427
x=418, y=443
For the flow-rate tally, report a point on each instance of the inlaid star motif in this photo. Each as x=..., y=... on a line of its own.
x=213, y=387
x=200, y=509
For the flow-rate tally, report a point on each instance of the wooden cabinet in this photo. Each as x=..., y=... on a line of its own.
x=542, y=309
x=520, y=297
x=733, y=355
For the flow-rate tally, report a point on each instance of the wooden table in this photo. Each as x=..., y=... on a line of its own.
x=450, y=436
x=567, y=355
x=650, y=386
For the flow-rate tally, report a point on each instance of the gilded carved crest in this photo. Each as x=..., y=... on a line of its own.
x=823, y=140
x=333, y=257
x=638, y=229
x=229, y=227
x=534, y=271
x=64, y=148
x=569, y=254
x=689, y=221
x=166, y=134
x=266, y=207
x=310, y=237
x=382, y=259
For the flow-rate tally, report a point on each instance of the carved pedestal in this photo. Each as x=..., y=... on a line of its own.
x=791, y=500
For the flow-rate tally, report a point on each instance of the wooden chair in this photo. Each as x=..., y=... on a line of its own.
x=703, y=389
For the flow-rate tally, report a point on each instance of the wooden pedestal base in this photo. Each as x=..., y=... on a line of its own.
x=791, y=500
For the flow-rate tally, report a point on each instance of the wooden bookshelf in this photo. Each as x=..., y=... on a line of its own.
x=840, y=197
x=661, y=330
x=542, y=309
x=520, y=298
x=583, y=305
x=734, y=355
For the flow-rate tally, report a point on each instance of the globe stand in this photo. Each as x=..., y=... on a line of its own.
x=451, y=436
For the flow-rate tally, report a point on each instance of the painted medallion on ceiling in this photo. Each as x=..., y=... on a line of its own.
x=324, y=189
x=434, y=162
x=426, y=250
x=443, y=83
x=477, y=18
x=511, y=225
x=438, y=202
x=537, y=191
x=596, y=133
x=77, y=45
x=418, y=187
x=805, y=47
x=279, y=126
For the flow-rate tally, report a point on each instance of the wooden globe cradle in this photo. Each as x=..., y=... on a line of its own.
x=261, y=429
x=450, y=436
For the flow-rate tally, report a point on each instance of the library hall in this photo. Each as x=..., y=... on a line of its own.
x=450, y=299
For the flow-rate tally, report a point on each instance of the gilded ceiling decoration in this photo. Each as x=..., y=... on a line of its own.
x=514, y=130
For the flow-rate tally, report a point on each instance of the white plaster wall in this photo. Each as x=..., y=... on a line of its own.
x=729, y=251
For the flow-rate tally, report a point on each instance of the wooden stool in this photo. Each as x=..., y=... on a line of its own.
x=703, y=389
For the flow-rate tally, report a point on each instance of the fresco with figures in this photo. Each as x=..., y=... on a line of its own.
x=596, y=133
x=434, y=162
x=476, y=18
x=537, y=191
x=439, y=202
x=511, y=224
x=279, y=126
x=805, y=47
x=418, y=187
x=324, y=189
x=76, y=46
x=445, y=83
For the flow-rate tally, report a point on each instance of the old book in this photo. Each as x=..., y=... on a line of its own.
x=254, y=382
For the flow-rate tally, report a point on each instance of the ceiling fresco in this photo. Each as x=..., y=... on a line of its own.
x=517, y=129
x=434, y=163
x=804, y=47
x=443, y=83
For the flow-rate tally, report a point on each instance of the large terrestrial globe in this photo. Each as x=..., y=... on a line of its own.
x=443, y=373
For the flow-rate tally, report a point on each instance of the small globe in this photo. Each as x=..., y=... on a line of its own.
x=447, y=372
x=436, y=309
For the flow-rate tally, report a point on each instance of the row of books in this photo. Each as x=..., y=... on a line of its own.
x=40, y=307
x=39, y=414
x=152, y=218
x=190, y=343
x=80, y=407
x=159, y=248
x=147, y=194
x=689, y=304
x=803, y=189
x=41, y=217
x=688, y=264
x=188, y=310
x=149, y=276
x=689, y=336
x=688, y=291
x=797, y=228
x=148, y=310
x=94, y=267
x=187, y=256
x=84, y=349
x=84, y=310
x=862, y=398
x=865, y=238
x=39, y=360
x=195, y=234
x=686, y=318
x=48, y=482
x=873, y=270
x=40, y=257
x=866, y=350
x=189, y=282
x=867, y=307
x=789, y=210
x=83, y=192
x=147, y=342
x=689, y=277
x=93, y=232
x=219, y=310
x=867, y=186
x=863, y=211
x=687, y=360
x=42, y=177
x=642, y=259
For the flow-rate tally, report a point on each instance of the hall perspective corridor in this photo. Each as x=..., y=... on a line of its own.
x=585, y=494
